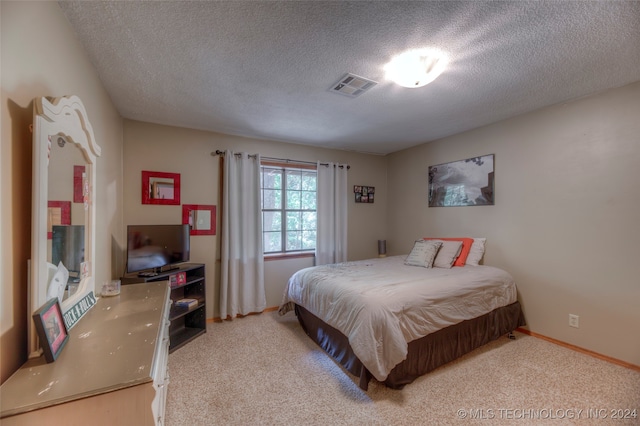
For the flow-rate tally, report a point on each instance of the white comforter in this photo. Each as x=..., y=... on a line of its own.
x=382, y=304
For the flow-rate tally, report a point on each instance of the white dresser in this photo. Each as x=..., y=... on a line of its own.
x=113, y=370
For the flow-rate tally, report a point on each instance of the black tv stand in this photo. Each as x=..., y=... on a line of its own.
x=187, y=323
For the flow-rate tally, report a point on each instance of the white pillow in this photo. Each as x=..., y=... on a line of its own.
x=476, y=252
x=448, y=253
x=423, y=253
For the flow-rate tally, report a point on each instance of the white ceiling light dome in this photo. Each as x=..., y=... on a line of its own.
x=416, y=67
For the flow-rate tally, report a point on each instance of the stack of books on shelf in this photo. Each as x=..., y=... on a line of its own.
x=186, y=303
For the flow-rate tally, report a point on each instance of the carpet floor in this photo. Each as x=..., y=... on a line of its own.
x=264, y=370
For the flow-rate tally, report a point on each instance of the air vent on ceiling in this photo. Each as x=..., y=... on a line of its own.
x=352, y=85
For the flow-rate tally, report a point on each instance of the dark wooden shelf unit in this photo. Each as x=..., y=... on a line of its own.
x=186, y=323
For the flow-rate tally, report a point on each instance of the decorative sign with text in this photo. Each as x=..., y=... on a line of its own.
x=73, y=315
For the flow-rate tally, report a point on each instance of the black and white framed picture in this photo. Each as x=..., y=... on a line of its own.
x=467, y=182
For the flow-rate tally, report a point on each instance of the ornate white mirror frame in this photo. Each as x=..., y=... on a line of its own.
x=62, y=120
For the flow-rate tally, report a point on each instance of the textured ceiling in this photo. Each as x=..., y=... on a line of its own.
x=264, y=69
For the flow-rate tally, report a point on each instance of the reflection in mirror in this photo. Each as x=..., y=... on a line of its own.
x=200, y=220
x=68, y=248
x=58, y=213
x=161, y=188
x=66, y=176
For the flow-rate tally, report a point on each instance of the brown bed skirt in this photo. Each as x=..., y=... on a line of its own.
x=425, y=354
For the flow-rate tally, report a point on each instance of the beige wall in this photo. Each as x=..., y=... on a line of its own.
x=177, y=150
x=41, y=57
x=565, y=222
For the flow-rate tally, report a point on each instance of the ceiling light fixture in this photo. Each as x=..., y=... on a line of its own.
x=416, y=67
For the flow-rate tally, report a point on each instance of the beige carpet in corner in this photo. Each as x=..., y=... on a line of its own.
x=263, y=370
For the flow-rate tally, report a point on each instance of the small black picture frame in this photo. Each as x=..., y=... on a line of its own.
x=52, y=331
x=364, y=194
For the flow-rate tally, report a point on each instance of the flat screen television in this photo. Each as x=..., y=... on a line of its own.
x=157, y=247
x=67, y=246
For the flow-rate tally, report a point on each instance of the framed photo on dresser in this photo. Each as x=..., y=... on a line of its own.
x=52, y=331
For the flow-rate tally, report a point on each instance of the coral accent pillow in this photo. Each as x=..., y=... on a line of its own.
x=466, y=247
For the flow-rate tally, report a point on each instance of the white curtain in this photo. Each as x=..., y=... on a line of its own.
x=242, y=272
x=331, y=237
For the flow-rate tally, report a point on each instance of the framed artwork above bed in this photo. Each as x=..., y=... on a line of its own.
x=468, y=182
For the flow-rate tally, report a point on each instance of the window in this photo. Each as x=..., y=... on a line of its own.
x=288, y=208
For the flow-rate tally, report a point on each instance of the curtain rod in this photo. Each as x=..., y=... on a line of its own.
x=218, y=152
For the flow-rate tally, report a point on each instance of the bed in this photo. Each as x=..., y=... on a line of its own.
x=384, y=319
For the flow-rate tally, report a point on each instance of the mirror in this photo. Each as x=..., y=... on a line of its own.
x=201, y=219
x=66, y=176
x=160, y=188
x=63, y=218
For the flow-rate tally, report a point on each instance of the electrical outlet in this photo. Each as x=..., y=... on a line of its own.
x=574, y=321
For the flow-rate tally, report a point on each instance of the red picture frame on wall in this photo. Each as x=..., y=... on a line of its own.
x=160, y=188
x=59, y=213
x=78, y=175
x=200, y=218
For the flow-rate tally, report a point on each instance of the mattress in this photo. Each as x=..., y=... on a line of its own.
x=381, y=305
